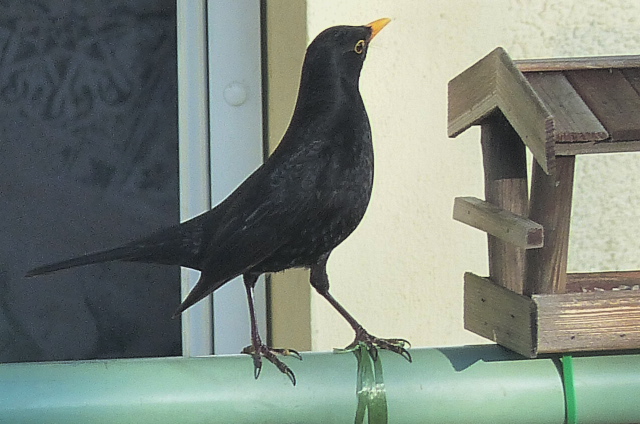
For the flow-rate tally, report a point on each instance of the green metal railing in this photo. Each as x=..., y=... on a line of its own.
x=470, y=384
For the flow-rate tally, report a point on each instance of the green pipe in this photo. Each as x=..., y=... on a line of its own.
x=470, y=384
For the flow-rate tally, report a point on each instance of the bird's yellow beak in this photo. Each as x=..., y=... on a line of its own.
x=376, y=26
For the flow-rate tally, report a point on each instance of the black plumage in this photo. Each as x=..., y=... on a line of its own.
x=296, y=208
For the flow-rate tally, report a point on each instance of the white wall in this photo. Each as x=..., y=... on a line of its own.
x=401, y=272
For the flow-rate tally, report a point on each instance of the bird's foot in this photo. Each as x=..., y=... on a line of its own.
x=271, y=354
x=373, y=343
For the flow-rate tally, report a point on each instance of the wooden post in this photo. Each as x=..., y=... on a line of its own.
x=550, y=206
x=505, y=186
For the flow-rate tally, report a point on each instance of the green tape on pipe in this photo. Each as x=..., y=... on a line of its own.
x=372, y=395
x=569, y=390
x=607, y=389
x=471, y=384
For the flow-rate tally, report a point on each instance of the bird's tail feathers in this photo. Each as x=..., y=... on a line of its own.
x=122, y=253
x=177, y=245
x=204, y=287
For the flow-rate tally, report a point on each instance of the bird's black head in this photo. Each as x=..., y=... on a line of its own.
x=341, y=49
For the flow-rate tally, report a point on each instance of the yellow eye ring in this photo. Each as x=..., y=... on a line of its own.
x=359, y=47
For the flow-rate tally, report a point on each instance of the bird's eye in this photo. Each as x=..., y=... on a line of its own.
x=359, y=47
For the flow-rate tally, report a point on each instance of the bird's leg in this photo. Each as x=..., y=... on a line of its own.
x=258, y=349
x=320, y=281
x=362, y=336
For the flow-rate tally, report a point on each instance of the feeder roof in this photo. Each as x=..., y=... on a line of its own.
x=557, y=106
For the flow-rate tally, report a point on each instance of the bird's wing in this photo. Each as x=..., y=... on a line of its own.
x=267, y=211
x=254, y=222
x=244, y=240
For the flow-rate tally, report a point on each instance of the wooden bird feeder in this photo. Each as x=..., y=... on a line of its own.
x=558, y=108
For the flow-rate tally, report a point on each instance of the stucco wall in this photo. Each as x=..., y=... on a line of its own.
x=401, y=272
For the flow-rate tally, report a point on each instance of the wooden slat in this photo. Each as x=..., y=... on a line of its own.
x=526, y=112
x=578, y=63
x=612, y=100
x=573, y=119
x=633, y=76
x=550, y=206
x=499, y=314
x=572, y=149
x=552, y=323
x=588, y=321
x=493, y=83
x=471, y=95
x=609, y=280
x=507, y=226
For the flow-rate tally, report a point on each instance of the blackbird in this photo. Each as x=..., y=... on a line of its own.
x=306, y=198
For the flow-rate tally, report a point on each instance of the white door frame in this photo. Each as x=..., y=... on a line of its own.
x=221, y=143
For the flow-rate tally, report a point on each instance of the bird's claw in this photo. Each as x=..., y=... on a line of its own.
x=373, y=343
x=271, y=354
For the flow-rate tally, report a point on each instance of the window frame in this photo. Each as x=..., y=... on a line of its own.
x=221, y=143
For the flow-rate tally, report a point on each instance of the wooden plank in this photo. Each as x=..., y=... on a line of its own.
x=594, y=321
x=606, y=146
x=578, y=63
x=499, y=314
x=552, y=323
x=505, y=186
x=612, y=99
x=572, y=149
x=507, y=226
x=633, y=76
x=573, y=119
x=471, y=94
x=526, y=112
x=550, y=206
x=493, y=83
x=580, y=282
